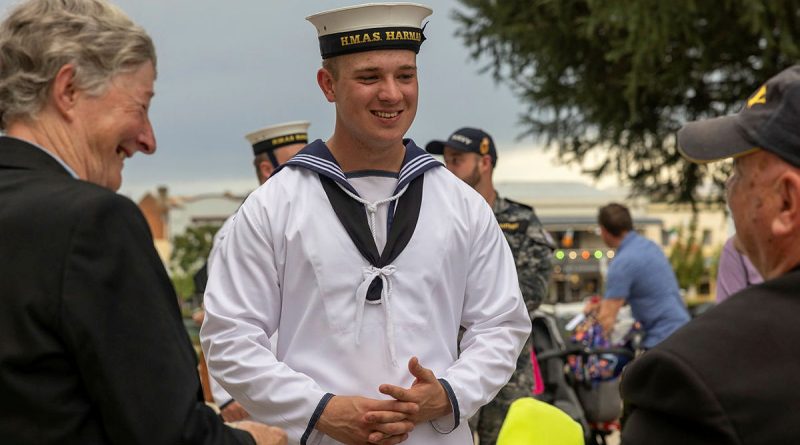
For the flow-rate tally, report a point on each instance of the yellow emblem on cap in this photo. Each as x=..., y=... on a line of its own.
x=759, y=98
x=485, y=146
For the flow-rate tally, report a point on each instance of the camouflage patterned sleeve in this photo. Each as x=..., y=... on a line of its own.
x=534, y=261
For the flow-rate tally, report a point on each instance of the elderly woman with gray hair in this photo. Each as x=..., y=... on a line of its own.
x=93, y=348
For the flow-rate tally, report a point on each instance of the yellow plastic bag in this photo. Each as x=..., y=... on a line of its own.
x=532, y=422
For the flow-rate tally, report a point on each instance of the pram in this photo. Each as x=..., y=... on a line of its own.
x=594, y=403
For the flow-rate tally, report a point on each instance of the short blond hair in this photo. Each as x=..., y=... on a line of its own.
x=332, y=65
x=39, y=37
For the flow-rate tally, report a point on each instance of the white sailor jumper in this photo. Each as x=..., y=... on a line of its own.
x=288, y=264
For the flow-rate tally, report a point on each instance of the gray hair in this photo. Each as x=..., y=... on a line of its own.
x=39, y=37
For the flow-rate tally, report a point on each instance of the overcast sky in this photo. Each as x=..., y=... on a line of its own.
x=226, y=68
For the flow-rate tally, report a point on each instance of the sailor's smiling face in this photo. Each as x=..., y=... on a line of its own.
x=375, y=93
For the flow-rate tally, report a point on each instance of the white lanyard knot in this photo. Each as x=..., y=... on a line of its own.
x=385, y=274
x=372, y=207
x=372, y=272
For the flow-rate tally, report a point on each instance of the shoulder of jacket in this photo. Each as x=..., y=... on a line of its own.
x=519, y=205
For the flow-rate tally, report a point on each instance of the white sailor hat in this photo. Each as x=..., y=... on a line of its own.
x=267, y=139
x=370, y=26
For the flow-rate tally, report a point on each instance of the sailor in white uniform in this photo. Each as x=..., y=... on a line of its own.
x=368, y=257
x=272, y=147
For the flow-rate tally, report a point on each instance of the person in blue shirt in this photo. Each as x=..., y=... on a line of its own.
x=639, y=275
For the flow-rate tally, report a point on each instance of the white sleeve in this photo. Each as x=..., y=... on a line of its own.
x=219, y=237
x=496, y=321
x=243, y=306
x=221, y=397
x=218, y=393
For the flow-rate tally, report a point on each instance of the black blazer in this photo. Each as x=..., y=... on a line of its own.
x=92, y=346
x=731, y=376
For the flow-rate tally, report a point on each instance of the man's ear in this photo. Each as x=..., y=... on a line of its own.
x=266, y=169
x=64, y=93
x=787, y=217
x=486, y=163
x=325, y=81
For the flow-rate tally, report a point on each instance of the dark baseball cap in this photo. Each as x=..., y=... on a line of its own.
x=466, y=139
x=770, y=120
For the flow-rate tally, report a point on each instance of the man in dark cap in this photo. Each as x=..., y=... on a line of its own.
x=732, y=376
x=366, y=257
x=471, y=155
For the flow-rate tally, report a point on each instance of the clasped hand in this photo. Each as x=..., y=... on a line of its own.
x=360, y=421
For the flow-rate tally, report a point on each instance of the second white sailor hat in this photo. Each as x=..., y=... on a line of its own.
x=370, y=26
x=273, y=137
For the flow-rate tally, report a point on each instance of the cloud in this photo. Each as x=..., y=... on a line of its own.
x=532, y=163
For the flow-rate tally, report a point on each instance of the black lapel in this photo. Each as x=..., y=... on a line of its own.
x=353, y=217
x=16, y=153
x=404, y=222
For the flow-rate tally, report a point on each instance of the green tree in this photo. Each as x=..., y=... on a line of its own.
x=189, y=254
x=687, y=258
x=608, y=83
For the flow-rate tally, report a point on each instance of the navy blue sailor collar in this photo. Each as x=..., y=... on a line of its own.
x=318, y=158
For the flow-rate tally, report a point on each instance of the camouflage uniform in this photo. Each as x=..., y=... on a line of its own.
x=532, y=248
x=533, y=251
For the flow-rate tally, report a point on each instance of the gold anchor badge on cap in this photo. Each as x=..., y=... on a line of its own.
x=759, y=98
x=485, y=146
